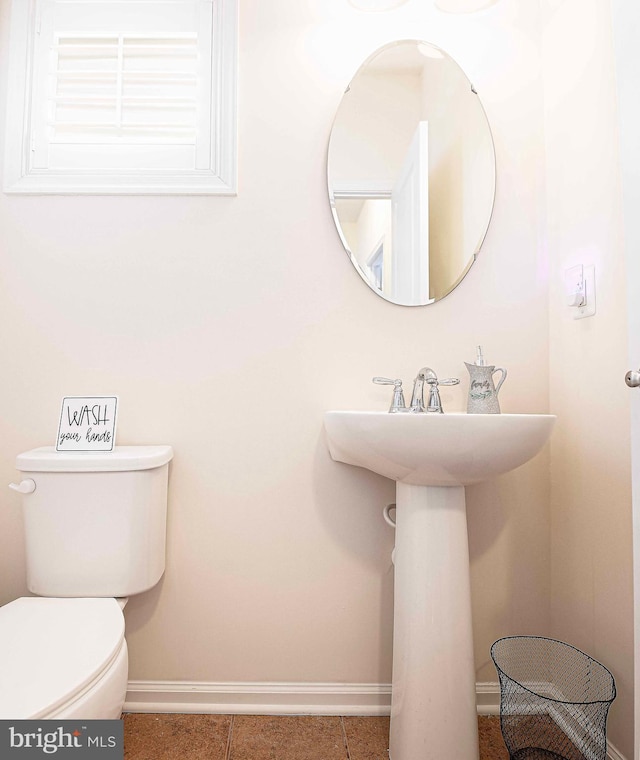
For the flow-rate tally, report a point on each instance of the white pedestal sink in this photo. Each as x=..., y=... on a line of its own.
x=432, y=457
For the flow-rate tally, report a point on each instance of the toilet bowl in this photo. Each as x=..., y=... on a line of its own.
x=62, y=658
x=95, y=528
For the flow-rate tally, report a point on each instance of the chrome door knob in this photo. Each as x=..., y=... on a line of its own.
x=632, y=378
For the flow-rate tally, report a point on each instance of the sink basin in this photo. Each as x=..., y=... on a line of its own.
x=436, y=449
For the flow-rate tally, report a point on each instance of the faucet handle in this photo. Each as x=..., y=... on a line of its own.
x=398, y=403
x=435, y=403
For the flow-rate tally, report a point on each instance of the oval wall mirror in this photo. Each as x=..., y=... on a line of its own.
x=411, y=171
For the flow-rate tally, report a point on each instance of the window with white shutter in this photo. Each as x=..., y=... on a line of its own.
x=122, y=96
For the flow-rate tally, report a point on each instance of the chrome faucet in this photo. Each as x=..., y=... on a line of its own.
x=426, y=375
x=434, y=405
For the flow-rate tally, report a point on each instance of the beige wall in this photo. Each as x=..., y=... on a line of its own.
x=591, y=553
x=228, y=325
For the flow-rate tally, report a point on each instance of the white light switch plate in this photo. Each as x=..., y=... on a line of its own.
x=589, y=308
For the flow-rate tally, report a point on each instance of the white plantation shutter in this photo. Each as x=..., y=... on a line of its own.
x=130, y=96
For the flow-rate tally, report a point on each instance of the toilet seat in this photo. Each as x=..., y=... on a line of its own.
x=52, y=650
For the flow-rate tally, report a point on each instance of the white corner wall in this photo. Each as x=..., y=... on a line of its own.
x=591, y=551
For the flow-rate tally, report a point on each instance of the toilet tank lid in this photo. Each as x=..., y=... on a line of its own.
x=121, y=459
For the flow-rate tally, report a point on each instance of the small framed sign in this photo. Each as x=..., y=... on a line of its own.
x=87, y=423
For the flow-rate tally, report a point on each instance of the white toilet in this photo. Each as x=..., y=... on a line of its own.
x=95, y=528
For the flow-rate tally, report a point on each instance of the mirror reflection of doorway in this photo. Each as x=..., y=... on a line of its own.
x=410, y=225
x=375, y=266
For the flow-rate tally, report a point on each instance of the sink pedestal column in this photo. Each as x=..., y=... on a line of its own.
x=433, y=700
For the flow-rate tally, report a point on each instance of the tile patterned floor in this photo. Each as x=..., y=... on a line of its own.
x=263, y=737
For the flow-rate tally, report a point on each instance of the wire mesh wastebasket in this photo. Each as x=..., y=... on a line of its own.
x=554, y=700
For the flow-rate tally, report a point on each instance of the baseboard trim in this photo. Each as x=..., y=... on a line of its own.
x=277, y=698
x=368, y=699
x=258, y=698
x=488, y=698
x=613, y=753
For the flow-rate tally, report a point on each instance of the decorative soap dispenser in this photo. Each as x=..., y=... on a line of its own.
x=483, y=394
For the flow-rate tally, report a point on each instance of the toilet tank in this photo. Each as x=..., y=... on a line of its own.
x=95, y=525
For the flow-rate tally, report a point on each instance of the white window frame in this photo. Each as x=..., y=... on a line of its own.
x=218, y=178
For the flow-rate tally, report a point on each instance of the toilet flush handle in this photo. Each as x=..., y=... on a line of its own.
x=24, y=486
